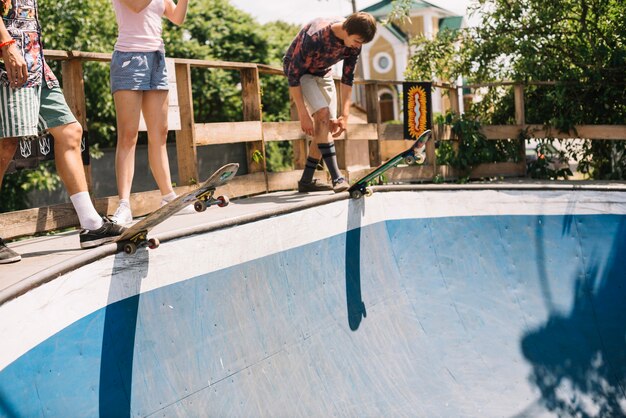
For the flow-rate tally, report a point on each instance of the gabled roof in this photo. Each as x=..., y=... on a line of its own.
x=451, y=23
x=383, y=8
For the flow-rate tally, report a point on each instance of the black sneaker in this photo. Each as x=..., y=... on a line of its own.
x=106, y=233
x=313, y=186
x=7, y=255
x=341, y=185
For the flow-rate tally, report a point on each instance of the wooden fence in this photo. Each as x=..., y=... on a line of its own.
x=362, y=146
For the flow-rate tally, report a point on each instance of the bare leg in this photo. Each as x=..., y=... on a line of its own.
x=127, y=108
x=155, y=106
x=67, y=155
x=8, y=146
x=321, y=119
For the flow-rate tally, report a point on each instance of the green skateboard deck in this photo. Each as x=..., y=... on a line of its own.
x=415, y=154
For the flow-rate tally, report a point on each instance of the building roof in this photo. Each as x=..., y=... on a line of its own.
x=383, y=8
x=451, y=23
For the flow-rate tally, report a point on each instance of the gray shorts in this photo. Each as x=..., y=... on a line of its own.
x=319, y=92
x=138, y=71
x=28, y=111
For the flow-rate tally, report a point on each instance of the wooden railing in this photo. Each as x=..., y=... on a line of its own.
x=362, y=146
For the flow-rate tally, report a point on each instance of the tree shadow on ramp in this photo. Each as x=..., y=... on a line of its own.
x=579, y=360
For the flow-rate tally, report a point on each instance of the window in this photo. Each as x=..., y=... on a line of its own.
x=383, y=62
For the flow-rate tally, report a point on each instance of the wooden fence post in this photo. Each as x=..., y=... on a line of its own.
x=300, y=146
x=373, y=116
x=74, y=92
x=520, y=116
x=251, y=91
x=186, y=138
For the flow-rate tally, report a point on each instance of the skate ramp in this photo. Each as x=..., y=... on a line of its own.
x=415, y=303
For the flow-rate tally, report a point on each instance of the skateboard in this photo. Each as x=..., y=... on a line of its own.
x=415, y=154
x=136, y=236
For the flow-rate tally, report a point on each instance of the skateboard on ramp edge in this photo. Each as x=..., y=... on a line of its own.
x=415, y=154
x=136, y=235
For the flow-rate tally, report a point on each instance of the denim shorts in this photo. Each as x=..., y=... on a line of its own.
x=138, y=71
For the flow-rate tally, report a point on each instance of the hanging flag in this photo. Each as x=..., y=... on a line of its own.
x=417, y=108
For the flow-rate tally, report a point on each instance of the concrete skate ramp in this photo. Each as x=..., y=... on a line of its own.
x=414, y=303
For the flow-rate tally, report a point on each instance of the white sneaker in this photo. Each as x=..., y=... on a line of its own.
x=184, y=211
x=122, y=216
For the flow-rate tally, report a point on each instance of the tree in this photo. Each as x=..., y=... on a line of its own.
x=581, y=44
x=214, y=30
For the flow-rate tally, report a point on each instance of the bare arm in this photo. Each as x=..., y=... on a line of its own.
x=136, y=5
x=342, y=121
x=17, y=70
x=176, y=13
x=305, y=120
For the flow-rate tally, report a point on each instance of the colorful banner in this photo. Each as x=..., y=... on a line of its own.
x=417, y=108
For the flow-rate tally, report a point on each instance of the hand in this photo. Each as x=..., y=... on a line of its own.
x=306, y=123
x=14, y=62
x=338, y=126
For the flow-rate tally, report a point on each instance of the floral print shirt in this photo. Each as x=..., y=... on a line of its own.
x=315, y=50
x=21, y=20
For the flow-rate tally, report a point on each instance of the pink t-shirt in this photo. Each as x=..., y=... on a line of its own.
x=139, y=32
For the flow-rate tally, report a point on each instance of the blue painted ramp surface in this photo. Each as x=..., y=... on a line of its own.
x=464, y=316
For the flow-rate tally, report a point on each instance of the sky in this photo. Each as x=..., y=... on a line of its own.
x=302, y=11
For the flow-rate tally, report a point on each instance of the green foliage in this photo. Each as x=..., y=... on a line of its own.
x=16, y=186
x=213, y=30
x=579, y=44
x=472, y=147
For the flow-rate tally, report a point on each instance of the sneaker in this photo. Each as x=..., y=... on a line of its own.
x=184, y=211
x=7, y=255
x=122, y=216
x=313, y=186
x=106, y=233
x=341, y=185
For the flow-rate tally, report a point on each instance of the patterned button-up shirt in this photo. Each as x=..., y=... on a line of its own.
x=21, y=20
x=315, y=50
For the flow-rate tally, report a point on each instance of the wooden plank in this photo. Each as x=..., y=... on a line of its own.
x=301, y=146
x=227, y=132
x=608, y=132
x=252, y=111
x=38, y=220
x=173, y=111
x=520, y=116
x=486, y=171
x=373, y=116
x=224, y=65
x=288, y=180
x=283, y=131
x=186, y=136
x=390, y=132
x=74, y=93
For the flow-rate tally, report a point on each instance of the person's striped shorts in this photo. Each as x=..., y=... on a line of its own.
x=29, y=111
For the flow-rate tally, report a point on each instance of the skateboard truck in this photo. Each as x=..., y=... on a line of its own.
x=206, y=200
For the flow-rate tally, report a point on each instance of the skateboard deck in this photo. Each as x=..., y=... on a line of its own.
x=202, y=197
x=415, y=154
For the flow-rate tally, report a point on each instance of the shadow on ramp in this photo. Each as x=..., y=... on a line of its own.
x=354, y=298
x=579, y=360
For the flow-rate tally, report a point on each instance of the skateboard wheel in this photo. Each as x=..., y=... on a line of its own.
x=420, y=159
x=223, y=201
x=409, y=160
x=199, y=206
x=130, y=248
x=356, y=194
x=368, y=192
x=153, y=243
